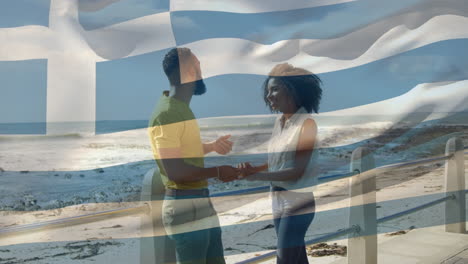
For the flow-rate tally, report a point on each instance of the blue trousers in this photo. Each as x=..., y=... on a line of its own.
x=293, y=213
x=192, y=223
x=199, y=247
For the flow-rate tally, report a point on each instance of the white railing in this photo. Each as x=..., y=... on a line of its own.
x=362, y=242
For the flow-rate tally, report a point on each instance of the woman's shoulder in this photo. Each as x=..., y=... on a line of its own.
x=306, y=122
x=308, y=134
x=309, y=123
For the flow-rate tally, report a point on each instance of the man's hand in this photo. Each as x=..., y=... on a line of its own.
x=222, y=145
x=228, y=173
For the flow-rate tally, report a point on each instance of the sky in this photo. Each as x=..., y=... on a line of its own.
x=23, y=91
x=128, y=88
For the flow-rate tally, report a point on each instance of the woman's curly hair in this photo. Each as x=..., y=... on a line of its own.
x=302, y=85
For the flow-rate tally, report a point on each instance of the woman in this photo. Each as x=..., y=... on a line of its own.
x=295, y=93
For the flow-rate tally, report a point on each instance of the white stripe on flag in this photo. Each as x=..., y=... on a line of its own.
x=440, y=99
x=138, y=36
x=248, y=6
x=247, y=57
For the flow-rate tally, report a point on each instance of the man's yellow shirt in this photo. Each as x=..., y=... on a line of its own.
x=173, y=125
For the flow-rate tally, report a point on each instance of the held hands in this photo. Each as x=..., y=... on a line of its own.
x=228, y=173
x=246, y=169
x=222, y=145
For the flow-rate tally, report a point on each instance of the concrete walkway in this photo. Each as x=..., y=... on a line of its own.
x=460, y=258
x=425, y=246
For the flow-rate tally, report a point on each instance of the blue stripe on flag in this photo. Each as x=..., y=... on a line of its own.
x=19, y=13
x=23, y=99
x=121, y=11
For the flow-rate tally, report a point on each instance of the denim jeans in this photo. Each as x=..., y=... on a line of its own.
x=192, y=223
x=293, y=213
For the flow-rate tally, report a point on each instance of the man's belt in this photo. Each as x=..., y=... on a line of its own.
x=188, y=192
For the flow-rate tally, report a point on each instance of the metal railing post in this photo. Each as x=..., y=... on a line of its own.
x=155, y=246
x=455, y=215
x=362, y=247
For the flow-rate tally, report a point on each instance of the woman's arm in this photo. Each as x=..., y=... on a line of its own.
x=304, y=150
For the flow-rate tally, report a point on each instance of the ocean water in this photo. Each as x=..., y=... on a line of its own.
x=75, y=165
x=238, y=122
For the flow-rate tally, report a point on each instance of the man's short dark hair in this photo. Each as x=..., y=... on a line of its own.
x=304, y=86
x=171, y=64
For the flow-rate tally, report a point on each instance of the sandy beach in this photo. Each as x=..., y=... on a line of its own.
x=107, y=171
x=117, y=240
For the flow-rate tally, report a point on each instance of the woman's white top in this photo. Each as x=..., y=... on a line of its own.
x=282, y=151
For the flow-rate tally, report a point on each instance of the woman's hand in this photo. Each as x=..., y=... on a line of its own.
x=246, y=169
x=228, y=173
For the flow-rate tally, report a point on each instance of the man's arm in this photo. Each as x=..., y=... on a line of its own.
x=180, y=172
x=165, y=137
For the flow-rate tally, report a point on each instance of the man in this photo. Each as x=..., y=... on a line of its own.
x=188, y=215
